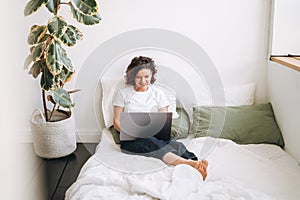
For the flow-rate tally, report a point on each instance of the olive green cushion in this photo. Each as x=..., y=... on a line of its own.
x=250, y=124
x=180, y=127
x=115, y=134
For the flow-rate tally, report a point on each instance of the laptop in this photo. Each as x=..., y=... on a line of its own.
x=145, y=124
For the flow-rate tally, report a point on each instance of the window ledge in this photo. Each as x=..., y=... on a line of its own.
x=292, y=62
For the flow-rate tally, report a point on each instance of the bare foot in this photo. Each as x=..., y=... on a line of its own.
x=201, y=167
x=173, y=159
x=205, y=164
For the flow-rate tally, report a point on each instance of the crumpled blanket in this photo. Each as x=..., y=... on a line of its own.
x=234, y=172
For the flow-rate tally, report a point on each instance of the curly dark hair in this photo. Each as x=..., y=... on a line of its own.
x=137, y=64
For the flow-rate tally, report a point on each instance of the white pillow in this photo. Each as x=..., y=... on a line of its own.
x=240, y=95
x=234, y=96
x=110, y=86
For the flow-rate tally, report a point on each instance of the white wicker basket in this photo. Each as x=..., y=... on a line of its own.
x=53, y=139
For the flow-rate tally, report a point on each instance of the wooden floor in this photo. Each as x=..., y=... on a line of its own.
x=62, y=172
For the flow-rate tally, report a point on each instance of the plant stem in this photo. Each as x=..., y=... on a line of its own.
x=44, y=105
x=53, y=109
x=57, y=7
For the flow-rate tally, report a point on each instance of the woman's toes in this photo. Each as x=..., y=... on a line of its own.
x=201, y=168
x=203, y=172
x=205, y=163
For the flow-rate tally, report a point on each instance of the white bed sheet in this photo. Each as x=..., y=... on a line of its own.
x=235, y=172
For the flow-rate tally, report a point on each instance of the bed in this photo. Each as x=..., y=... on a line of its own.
x=260, y=171
x=241, y=141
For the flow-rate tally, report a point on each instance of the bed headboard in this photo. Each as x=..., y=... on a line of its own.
x=184, y=67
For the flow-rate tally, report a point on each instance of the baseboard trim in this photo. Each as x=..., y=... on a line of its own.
x=89, y=137
x=81, y=137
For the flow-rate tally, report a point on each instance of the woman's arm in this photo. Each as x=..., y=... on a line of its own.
x=117, y=115
x=163, y=109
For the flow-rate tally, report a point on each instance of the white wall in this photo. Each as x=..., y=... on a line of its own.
x=283, y=84
x=18, y=168
x=284, y=94
x=286, y=29
x=233, y=33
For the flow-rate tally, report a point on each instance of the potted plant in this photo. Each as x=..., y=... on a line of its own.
x=53, y=129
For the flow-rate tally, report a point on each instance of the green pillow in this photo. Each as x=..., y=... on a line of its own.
x=180, y=127
x=250, y=124
x=115, y=134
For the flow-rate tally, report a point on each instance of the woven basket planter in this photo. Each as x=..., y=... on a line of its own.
x=53, y=139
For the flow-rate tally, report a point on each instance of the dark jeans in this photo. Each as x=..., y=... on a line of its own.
x=153, y=147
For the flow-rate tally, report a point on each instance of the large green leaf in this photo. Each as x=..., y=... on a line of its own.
x=37, y=68
x=48, y=81
x=78, y=34
x=87, y=7
x=84, y=19
x=36, y=34
x=57, y=26
x=69, y=37
x=33, y=5
x=66, y=60
x=27, y=61
x=37, y=51
x=52, y=5
x=65, y=75
x=62, y=98
x=54, y=58
x=33, y=27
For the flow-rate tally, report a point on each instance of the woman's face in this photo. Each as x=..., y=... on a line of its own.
x=142, y=80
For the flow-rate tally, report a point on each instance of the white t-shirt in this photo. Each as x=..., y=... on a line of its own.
x=133, y=101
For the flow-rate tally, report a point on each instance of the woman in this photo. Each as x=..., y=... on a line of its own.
x=139, y=96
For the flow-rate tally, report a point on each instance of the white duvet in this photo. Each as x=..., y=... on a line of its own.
x=235, y=172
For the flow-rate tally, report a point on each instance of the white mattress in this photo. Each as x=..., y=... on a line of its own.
x=235, y=172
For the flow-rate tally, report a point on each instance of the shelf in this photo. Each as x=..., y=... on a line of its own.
x=292, y=62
